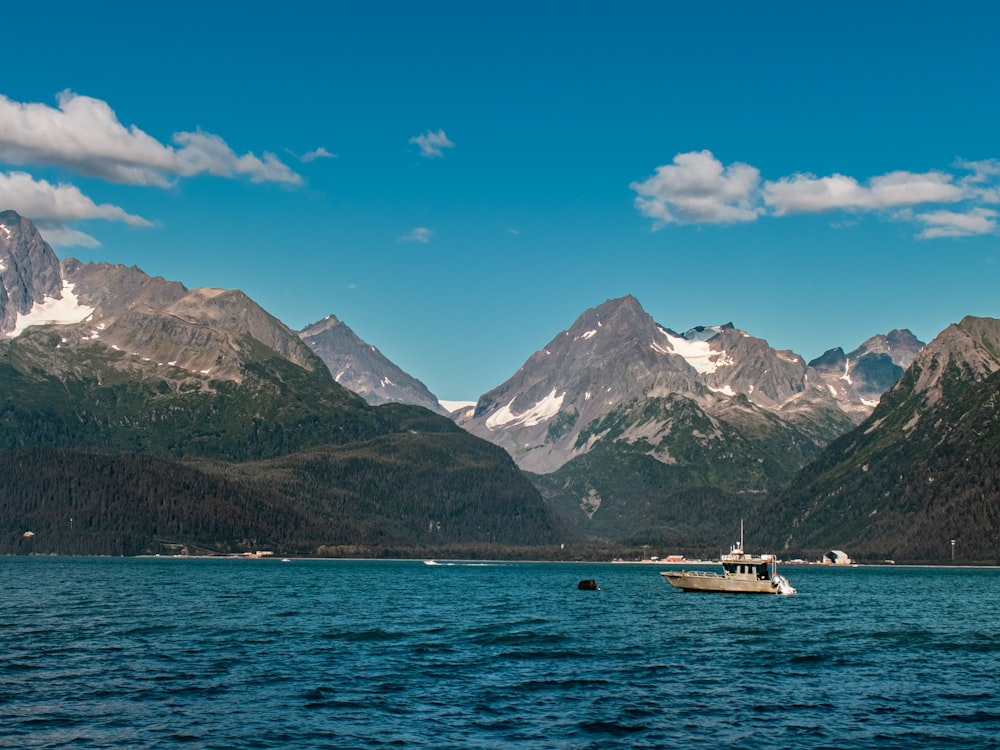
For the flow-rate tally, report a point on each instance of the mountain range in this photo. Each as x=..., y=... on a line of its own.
x=137, y=412
x=620, y=431
x=635, y=432
x=920, y=478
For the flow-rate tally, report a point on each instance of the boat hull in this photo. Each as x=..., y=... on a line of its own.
x=715, y=583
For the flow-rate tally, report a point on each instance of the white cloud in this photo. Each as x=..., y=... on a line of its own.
x=417, y=234
x=52, y=206
x=953, y=224
x=205, y=152
x=697, y=188
x=804, y=193
x=84, y=135
x=432, y=143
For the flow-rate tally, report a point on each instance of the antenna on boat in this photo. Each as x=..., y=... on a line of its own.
x=741, y=535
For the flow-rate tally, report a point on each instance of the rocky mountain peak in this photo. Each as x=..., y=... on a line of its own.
x=900, y=345
x=861, y=376
x=146, y=324
x=320, y=326
x=971, y=346
x=29, y=270
x=362, y=368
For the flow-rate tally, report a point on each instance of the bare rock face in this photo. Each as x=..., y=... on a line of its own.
x=153, y=322
x=971, y=345
x=362, y=368
x=29, y=269
x=863, y=375
x=114, y=289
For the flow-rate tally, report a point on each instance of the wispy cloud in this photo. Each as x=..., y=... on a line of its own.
x=59, y=235
x=954, y=224
x=696, y=188
x=431, y=143
x=417, y=234
x=984, y=181
x=318, y=153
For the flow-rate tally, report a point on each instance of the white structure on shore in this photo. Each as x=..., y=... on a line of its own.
x=836, y=557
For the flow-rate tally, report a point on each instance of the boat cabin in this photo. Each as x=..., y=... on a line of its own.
x=738, y=564
x=758, y=570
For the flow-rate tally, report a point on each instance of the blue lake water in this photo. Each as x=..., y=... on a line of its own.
x=171, y=653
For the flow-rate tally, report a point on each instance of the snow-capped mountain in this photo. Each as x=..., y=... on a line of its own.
x=363, y=369
x=633, y=431
x=155, y=324
x=615, y=356
x=29, y=272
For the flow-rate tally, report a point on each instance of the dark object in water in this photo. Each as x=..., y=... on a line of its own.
x=588, y=585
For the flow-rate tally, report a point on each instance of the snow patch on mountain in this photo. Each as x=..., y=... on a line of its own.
x=453, y=406
x=545, y=409
x=53, y=311
x=726, y=390
x=698, y=353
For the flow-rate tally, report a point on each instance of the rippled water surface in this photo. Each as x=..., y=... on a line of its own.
x=169, y=653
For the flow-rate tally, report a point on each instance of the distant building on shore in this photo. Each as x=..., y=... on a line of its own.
x=836, y=557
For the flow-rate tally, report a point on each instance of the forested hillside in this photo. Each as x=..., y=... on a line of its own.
x=922, y=471
x=401, y=492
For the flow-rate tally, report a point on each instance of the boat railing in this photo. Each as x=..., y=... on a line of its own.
x=749, y=559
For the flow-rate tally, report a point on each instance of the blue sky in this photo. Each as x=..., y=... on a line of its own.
x=458, y=182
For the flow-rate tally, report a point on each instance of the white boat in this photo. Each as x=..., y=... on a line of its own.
x=742, y=574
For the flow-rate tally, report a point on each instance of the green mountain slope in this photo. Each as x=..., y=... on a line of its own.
x=922, y=471
x=95, y=398
x=684, y=486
